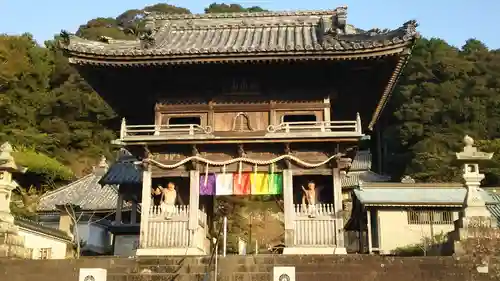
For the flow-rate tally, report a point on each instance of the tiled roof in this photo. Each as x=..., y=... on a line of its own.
x=86, y=193
x=123, y=171
x=416, y=195
x=249, y=34
x=360, y=171
x=362, y=161
x=34, y=226
x=352, y=179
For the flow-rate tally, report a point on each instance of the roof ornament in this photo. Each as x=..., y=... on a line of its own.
x=147, y=37
x=410, y=27
x=471, y=153
x=105, y=39
x=407, y=179
x=333, y=25
x=341, y=18
x=64, y=37
x=149, y=22
x=324, y=26
x=103, y=163
x=7, y=162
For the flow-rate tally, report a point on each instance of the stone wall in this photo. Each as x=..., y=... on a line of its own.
x=259, y=268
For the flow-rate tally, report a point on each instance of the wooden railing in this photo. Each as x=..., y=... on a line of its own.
x=314, y=225
x=285, y=129
x=353, y=126
x=170, y=230
x=158, y=130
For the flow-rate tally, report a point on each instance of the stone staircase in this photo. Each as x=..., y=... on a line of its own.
x=248, y=268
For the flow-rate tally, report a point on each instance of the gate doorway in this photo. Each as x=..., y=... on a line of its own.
x=255, y=224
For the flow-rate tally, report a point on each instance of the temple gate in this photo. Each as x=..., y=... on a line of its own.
x=244, y=97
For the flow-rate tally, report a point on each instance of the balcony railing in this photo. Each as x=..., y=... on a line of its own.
x=145, y=131
x=350, y=128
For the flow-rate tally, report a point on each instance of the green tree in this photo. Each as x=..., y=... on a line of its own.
x=444, y=94
x=231, y=8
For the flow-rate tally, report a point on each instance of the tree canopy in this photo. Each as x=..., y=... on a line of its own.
x=61, y=126
x=445, y=93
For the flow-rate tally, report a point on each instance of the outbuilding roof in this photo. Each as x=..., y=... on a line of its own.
x=86, y=193
x=415, y=194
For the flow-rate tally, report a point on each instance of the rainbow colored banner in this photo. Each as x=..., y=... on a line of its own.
x=241, y=184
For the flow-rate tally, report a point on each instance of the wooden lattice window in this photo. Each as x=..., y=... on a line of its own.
x=45, y=253
x=430, y=217
x=241, y=123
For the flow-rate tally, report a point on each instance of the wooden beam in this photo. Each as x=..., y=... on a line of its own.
x=240, y=140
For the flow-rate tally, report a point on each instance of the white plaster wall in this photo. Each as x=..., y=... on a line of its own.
x=97, y=238
x=394, y=230
x=126, y=245
x=37, y=241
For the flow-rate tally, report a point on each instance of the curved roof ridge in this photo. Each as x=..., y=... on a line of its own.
x=283, y=13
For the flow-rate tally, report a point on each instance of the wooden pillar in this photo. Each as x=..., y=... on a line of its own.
x=119, y=208
x=369, y=230
x=288, y=206
x=326, y=111
x=337, y=203
x=133, y=214
x=146, y=205
x=194, y=198
x=378, y=143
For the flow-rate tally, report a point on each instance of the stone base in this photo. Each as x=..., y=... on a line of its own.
x=12, y=246
x=314, y=251
x=171, y=252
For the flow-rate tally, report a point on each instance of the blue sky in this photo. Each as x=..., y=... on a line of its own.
x=452, y=20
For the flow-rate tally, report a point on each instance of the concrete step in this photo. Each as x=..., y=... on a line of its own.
x=225, y=267
x=258, y=259
x=323, y=276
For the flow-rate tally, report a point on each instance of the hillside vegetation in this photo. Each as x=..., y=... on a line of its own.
x=60, y=126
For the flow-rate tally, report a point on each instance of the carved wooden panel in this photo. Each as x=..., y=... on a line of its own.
x=223, y=121
x=241, y=121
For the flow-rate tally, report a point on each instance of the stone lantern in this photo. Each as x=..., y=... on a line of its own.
x=474, y=212
x=474, y=204
x=11, y=244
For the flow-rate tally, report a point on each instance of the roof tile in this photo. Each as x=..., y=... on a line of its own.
x=247, y=33
x=86, y=193
x=415, y=195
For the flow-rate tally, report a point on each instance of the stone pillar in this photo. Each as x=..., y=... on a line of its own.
x=339, y=220
x=146, y=205
x=11, y=244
